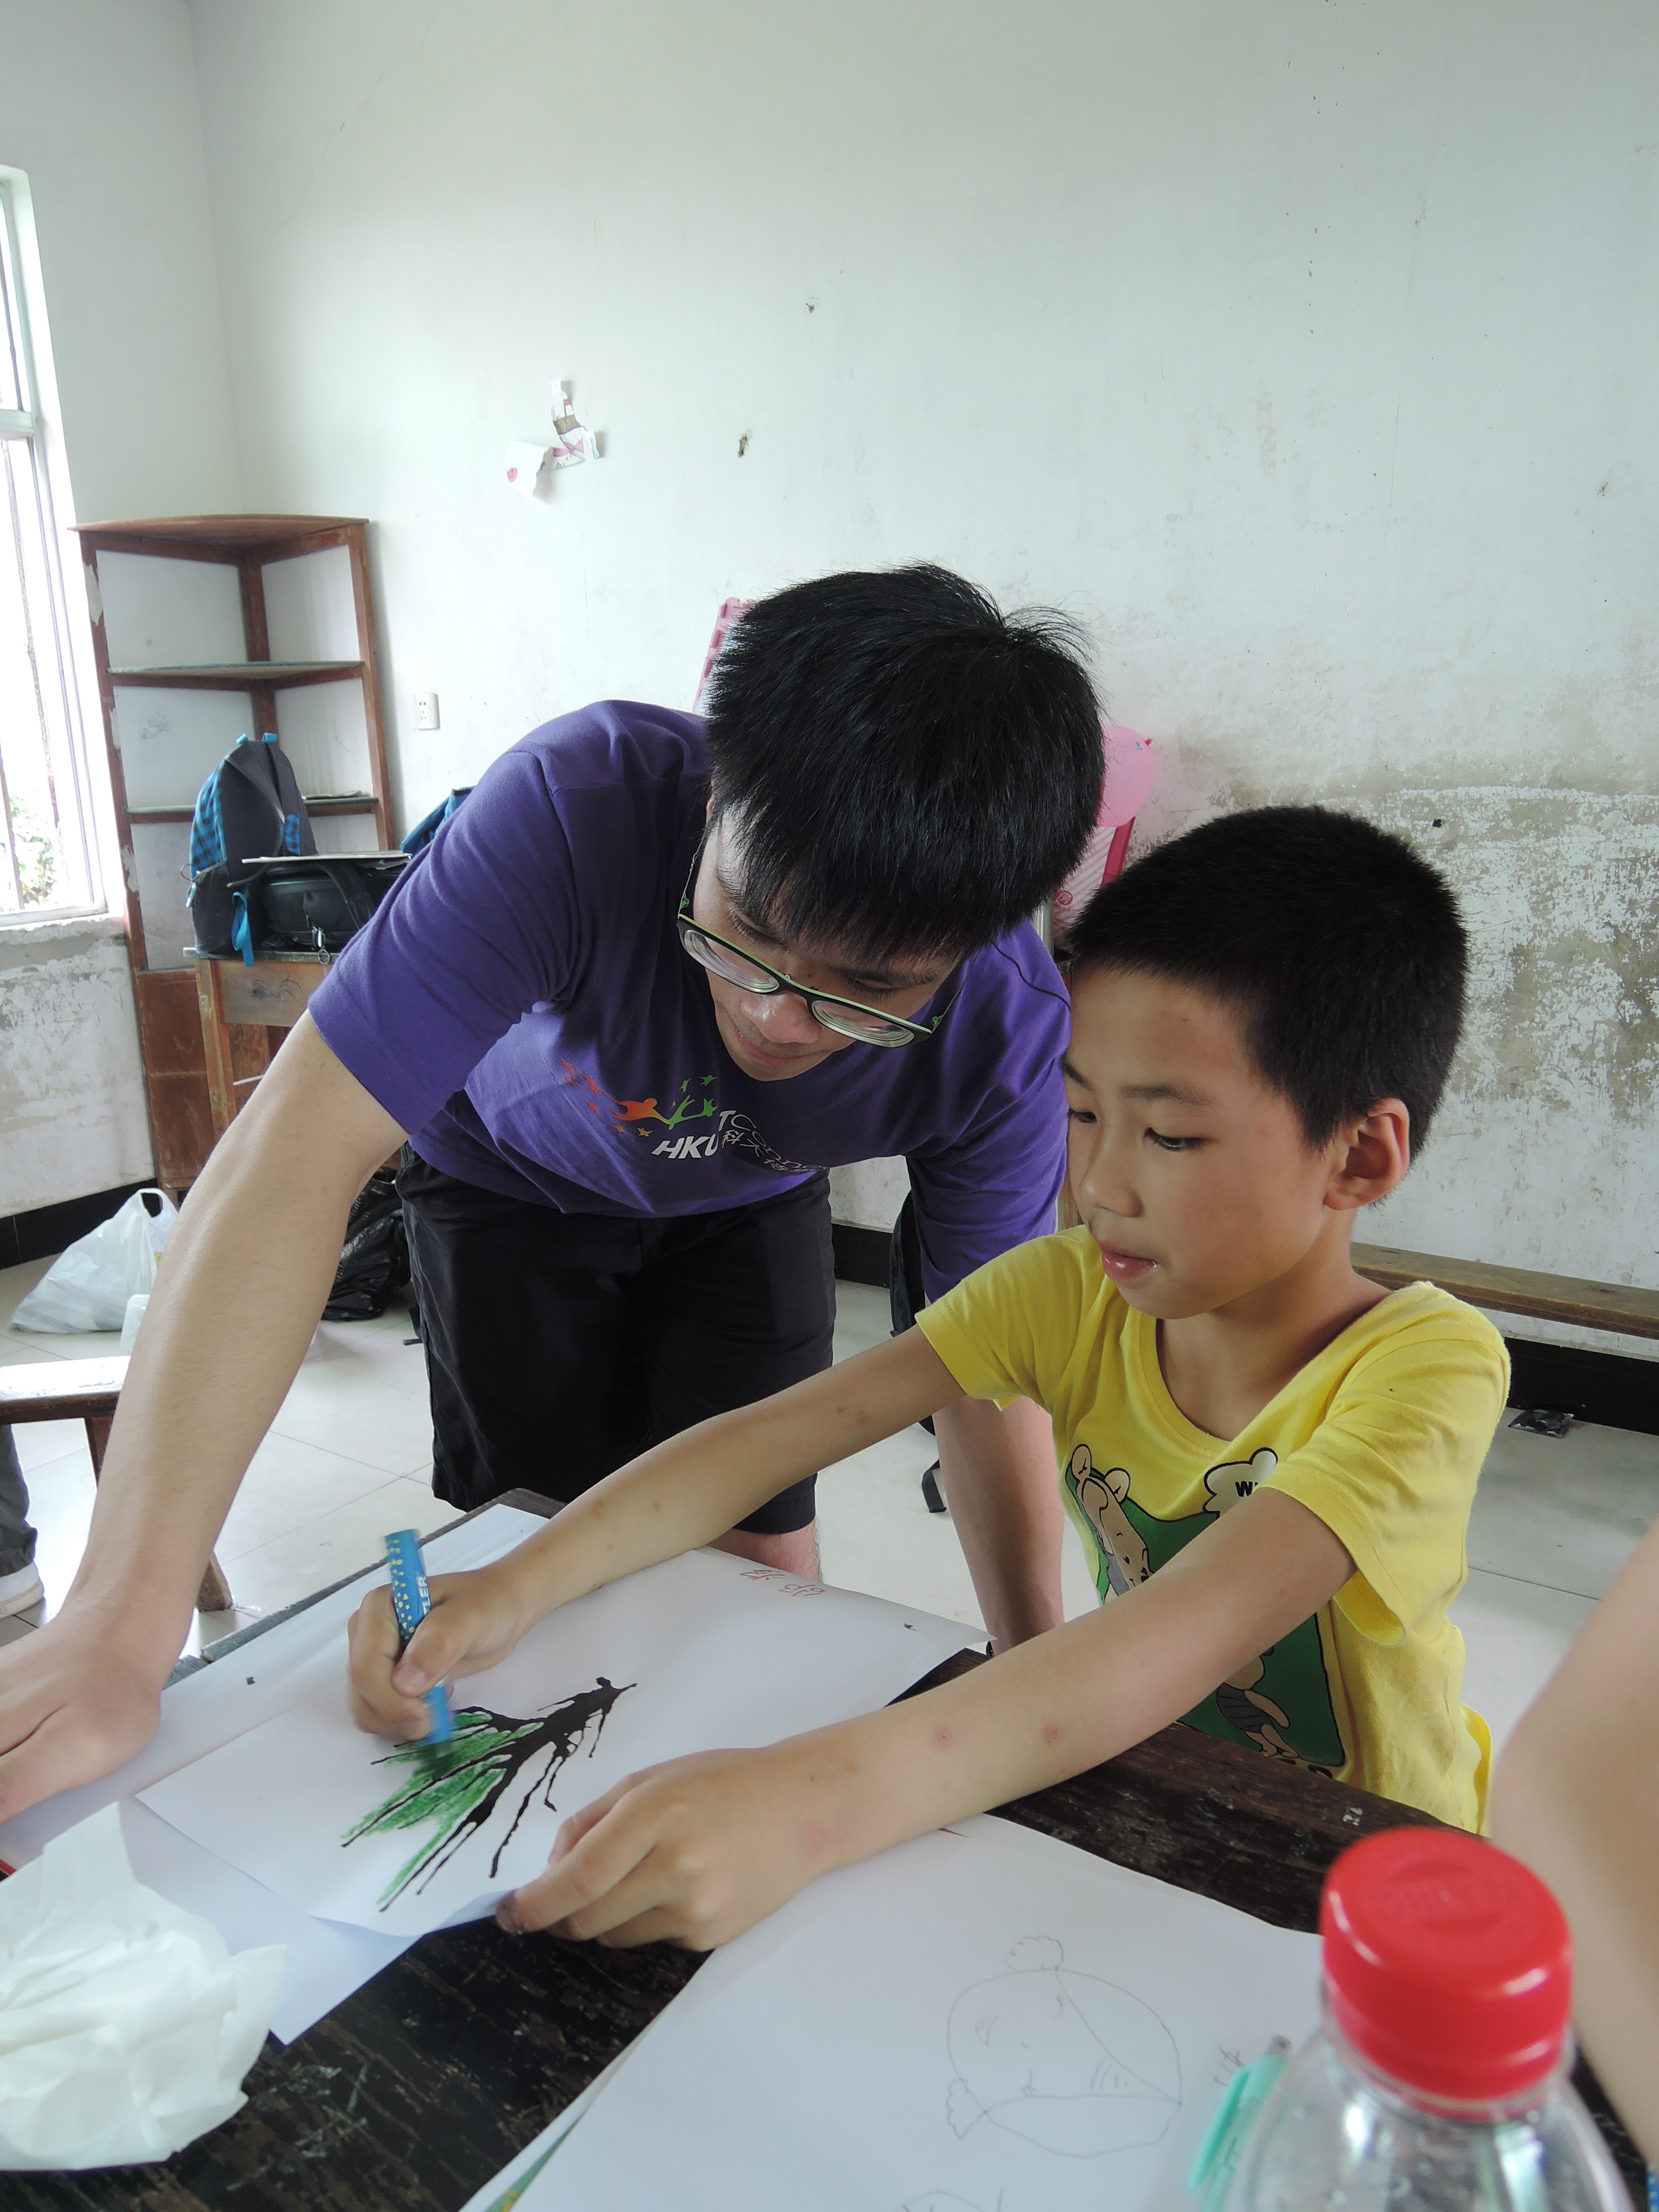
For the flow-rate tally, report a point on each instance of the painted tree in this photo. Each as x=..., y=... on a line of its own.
x=455, y=1787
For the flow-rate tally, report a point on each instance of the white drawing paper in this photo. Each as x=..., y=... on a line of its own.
x=324, y=1962
x=698, y=1653
x=965, y=2024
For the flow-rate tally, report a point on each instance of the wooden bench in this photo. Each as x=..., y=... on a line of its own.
x=1612, y=1306
x=85, y=1390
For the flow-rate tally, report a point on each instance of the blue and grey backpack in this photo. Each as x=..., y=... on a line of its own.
x=249, y=809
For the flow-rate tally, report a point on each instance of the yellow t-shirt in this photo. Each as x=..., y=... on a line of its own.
x=1381, y=1435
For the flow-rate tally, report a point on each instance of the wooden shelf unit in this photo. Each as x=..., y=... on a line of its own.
x=169, y=1025
x=233, y=675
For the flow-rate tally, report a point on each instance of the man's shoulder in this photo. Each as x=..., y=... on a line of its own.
x=1008, y=1024
x=1017, y=970
x=604, y=792
x=614, y=743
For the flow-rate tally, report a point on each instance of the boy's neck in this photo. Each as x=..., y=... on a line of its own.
x=1222, y=1367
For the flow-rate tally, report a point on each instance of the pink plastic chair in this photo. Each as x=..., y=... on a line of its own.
x=732, y=610
x=1128, y=780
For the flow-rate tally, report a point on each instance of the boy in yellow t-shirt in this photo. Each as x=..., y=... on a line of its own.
x=1273, y=1462
x=1381, y=1435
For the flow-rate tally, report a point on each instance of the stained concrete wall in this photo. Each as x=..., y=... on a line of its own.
x=70, y=1072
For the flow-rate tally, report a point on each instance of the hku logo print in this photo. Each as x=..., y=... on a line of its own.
x=698, y=1102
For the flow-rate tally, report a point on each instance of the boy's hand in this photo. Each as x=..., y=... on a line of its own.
x=691, y=1853
x=475, y=1620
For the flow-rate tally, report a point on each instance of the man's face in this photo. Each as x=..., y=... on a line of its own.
x=1194, y=1175
x=774, y=1035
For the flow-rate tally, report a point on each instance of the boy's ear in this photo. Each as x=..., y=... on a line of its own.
x=1374, y=1158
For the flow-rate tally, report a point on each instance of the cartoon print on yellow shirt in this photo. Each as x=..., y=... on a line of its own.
x=1278, y=1701
x=1123, y=1555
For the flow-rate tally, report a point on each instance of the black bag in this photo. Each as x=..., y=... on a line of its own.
x=376, y=1259
x=318, y=904
x=279, y=906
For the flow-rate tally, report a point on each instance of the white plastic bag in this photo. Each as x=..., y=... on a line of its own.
x=87, y=1286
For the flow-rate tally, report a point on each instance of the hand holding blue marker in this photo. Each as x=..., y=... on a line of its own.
x=411, y=1602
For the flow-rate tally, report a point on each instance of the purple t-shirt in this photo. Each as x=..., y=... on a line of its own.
x=522, y=1006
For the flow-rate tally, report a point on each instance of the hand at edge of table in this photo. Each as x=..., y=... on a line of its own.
x=74, y=1706
x=689, y=1853
x=475, y=1621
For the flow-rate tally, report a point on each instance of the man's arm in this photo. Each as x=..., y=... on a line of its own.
x=989, y=1192
x=247, y=1271
x=698, y=1850
x=1577, y=1796
x=997, y=1471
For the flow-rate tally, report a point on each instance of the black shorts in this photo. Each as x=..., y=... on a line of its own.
x=559, y=1345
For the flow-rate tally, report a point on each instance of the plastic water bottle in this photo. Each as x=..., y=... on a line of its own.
x=1439, y=2082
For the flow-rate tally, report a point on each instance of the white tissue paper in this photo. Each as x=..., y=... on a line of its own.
x=125, y=2024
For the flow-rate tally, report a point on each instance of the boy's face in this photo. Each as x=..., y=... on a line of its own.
x=1192, y=1175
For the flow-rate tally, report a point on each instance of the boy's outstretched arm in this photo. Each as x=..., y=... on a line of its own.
x=696, y=1851
x=678, y=1495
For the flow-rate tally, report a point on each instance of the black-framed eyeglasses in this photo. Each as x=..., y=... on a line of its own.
x=846, y=1016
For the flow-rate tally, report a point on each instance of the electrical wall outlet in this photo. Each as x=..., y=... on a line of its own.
x=426, y=710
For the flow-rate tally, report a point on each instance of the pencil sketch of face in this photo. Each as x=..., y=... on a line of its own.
x=1065, y=2059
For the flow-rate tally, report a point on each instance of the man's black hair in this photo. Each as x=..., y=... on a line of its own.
x=910, y=770
x=1342, y=952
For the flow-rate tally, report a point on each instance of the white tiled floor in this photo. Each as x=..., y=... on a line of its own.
x=349, y=1455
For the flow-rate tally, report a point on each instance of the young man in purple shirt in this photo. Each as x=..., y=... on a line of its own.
x=641, y=992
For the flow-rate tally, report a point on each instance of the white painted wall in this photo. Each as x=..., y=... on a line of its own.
x=97, y=106
x=1306, y=352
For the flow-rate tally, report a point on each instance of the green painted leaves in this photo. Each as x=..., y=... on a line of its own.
x=454, y=1788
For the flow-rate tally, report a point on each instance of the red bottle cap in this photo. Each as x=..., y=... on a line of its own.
x=1448, y=1964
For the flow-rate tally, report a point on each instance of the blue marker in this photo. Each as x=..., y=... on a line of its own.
x=411, y=1602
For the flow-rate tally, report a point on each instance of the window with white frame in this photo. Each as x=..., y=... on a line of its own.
x=46, y=863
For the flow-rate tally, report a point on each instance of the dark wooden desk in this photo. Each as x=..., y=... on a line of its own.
x=418, y=2089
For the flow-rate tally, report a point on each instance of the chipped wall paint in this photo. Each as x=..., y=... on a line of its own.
x=70, y=1071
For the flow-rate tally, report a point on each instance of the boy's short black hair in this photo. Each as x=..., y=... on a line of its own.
x=1343, y=952
x=911, y=770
